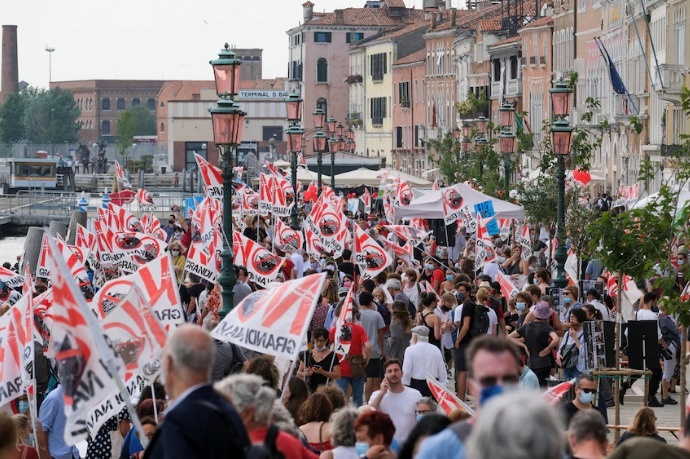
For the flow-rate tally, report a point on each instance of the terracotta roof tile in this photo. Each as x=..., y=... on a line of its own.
x=400, y=32
x=505, y=41
x=274, y=83
x=395, y=3
x=366, y=17
x=419, y=56
x=307, y=3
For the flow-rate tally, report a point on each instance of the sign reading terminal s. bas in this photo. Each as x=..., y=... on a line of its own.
x=261, y=94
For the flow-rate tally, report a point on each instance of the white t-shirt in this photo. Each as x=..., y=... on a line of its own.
x=297, y=259
x=605, y=313
x=491, y=269
x=646, y=314
x=447, y=337
x=412, y=293
x=401, y=408
x=493, y=322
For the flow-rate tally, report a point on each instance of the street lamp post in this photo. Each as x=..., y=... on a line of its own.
x=332, y=148
x=295, y=135
x=228, y=121
x=50, y=50
x=561, y=133
x=319, y=140
x=482, y=143
x=506, y=139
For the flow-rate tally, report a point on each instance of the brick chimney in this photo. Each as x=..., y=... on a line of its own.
x=453, y=16
x=339, y=18
x=433, y=21
x=9, y=80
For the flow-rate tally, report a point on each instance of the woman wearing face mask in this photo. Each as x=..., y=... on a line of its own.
x=523, y=303
x=320, y=365
x=374, y=432
x=179, y=260
x=570, y=296
x=410, y=286
x=24, y=437
x=430, y=320
x=444, y=311
x=572, y=346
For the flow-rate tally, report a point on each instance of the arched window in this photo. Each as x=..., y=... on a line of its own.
x=120, y=103
x=322, y=71
x=105, y=127
x=322, y=104
x=162, y=128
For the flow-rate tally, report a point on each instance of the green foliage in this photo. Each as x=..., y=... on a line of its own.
x=11, y=115
x=145, y=162
x=144, y=120
x=40, y=116
x=125, y=130
x=473, y=106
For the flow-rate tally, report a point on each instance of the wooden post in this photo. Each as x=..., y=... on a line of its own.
x=32, y=248
x=617, y=385
x=683, y=373
x=78, y=218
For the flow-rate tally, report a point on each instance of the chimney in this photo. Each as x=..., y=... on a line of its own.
x=9, y=81
x=307, y=11
x=453, y=16
x=433, y=22
x=339, y=18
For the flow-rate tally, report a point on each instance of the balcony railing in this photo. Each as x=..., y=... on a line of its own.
x=514, y=88
x=672, y=79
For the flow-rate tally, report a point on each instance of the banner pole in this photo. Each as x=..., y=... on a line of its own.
x=128, y=403
x=289, y=375
x=155, y=409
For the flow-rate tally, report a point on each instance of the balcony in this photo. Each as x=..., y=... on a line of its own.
x=672, y=78
x=512, y=88
x=623, y=107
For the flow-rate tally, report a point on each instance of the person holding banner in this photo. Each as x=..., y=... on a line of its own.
x=198, y=422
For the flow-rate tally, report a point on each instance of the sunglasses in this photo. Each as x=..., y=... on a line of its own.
x=488, y=381
x=588, y=391
x=422, y=412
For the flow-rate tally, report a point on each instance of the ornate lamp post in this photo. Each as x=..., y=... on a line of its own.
x=228, y=121
x=319, y=140
x=482, y=143
x=295, y=137
x=332, y=148
x=561, y=134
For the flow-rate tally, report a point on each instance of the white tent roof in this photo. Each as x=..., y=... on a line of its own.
x=281, y=163
x=368, y=177
x=682, y=201
x=431, y=206
x=534, y=174
x=305, y=176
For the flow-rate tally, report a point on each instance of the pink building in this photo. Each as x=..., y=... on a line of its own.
x=318, y=65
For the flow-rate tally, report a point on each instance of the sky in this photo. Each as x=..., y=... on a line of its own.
x=150, y=39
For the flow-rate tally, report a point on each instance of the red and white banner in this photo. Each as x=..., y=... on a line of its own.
x=453, y=203
x=522, y=237
x=434, y=186
x=211, y=176
x=366, y=200
x=556, y=393
x=250, y=201
x=262, y=266
x=121, y=176
x=158, y=283
x=508, y=289
x=287, y=237
x=266, y=190
x=273, y=321
x=145, y=200
x=83, y=357
x=405, y=194
x=409, y=233
x=202, y=257
x=504, y=228
x=343, y=335
x=10, y=372
x=20, y=340
x=446, y=399
x=130, y=251
x=10, y=278
x=405, y=253
x=370, y=257
x=74, y=264
x=122, y=220
x=485, y=251
x=283, y=197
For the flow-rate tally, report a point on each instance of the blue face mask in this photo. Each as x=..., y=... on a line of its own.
x=520, y=306
x=31, y=441
x=586, y=397
x=449, y=277
x=23, y=406
x=567, y=299
x=461, y=296
x=419, y=417
x=361, y=448
x=488, y=393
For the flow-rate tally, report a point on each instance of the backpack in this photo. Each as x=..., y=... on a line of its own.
x=480, y=325
x=267, y=449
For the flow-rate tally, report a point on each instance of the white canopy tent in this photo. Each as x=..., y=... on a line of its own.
x=534, y=175
x=681, y=202
x=305, y=176
x=430, y=205
x=368, y=177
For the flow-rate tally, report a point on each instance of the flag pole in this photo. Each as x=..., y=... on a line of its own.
x=128, y=402
x=155, y=409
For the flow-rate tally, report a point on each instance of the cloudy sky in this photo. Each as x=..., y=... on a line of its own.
x=150, y=39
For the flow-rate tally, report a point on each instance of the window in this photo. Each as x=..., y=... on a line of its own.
x=105, y=127
x=322, y=104
x=322, y=37
x=513, y=68
x=120, y=103
x=273, y=132
x=404, y=94
x=136, y=101
x=322, y=71
x=398, y=137
x=296, y=39
x=151, y=104
x=162, y=127
x=378, y=107
x=296, y=71
x=105, y=103
x=378, y=63
x=353, y=37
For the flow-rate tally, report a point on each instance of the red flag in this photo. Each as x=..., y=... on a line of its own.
x=366, y=200
x=145, y=199
x=212, y=177
x=342, y=337
x=446, y=399
x=121, y=176
x=405, y=194
x=435, y=184
x=286, y=236
x=370, y=257
x=556, y=393
x=409, y=233
x=262, y=266
x=508, y=289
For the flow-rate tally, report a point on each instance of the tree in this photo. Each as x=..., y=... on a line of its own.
x=144, y=121
x=50, y=116
x=11, y=115
x=125, y=130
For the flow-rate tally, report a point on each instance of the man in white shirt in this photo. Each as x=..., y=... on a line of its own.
x=298, y=260
x=396, y=400
x=422, y=358
x=593, y=298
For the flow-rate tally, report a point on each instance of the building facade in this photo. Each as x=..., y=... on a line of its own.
x=102, y=101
